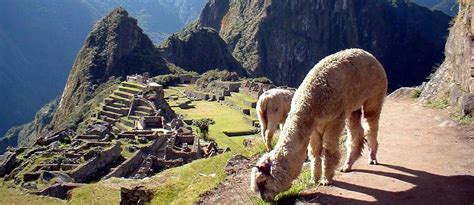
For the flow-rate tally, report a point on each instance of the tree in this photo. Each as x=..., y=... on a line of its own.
x=203, y=125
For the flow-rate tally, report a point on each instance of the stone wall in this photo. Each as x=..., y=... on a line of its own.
x=89, y=169
x=128, y=166
x=60, y=191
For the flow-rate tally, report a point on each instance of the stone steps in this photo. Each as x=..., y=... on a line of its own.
x=134, y=117
x=141, y=113
x=107, y=119
x=144, y=109
x=125, y=101
x=118, y=105
x=129, y=90
x=109, y=114
x=127, y=122
x=132, y=85
x=122, y=126
x=118, y=110
x=123, y=94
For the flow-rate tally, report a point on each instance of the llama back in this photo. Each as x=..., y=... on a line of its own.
x=346, y=78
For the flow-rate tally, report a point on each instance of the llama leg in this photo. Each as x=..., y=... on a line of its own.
x=355, y=139
x=331, y=153
x=315, y=148
x=271, y=128
x=372, y=115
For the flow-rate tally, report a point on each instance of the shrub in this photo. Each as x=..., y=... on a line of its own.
x=416, y=93
x=66, y=140
x=213, y=75
x=263, y=80
x=203, y=125
x=167, y=80
x=441, y=103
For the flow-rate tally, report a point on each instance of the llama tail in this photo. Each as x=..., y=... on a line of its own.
x=262, y=114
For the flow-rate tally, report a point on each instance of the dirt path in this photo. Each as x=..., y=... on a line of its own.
x=425, y=159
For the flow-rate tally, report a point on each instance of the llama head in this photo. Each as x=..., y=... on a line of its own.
x=263, y=179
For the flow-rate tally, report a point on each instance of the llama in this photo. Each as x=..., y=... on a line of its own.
x=344, y=85
x=272, y=109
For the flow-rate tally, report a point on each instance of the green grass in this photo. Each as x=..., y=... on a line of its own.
x=226, y=119
x=238, y=102
x=245, y=97
x=17, y=197
x=99, y=193
x=441, y=103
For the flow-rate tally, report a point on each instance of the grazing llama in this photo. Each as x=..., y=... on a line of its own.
x=272, y=109
x=348, y=84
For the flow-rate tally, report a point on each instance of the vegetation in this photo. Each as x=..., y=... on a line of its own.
x=213, y=75
x=459, y=117
x=440, y=103
x=77, y=118
x=416, y=93
x=14, y=196
x=167, y=80
x=203, y=125
x=263, y=80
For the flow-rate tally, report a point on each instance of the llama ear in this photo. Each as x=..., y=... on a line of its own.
x=265, y=168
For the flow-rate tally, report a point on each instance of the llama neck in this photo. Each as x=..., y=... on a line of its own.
x=290, y=152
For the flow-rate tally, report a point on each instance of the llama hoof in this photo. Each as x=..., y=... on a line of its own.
x=324, y=182
x=345, y=169
x=373, y=162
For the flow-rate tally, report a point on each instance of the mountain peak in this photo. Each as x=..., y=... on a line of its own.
x=114, y=48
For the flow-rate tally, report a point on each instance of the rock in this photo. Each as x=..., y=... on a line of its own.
x=404, y=93
x=453, y=77
x=236, y=164
x=30, y=185
x=447, y=123
x=7, y=163
x=467, y=105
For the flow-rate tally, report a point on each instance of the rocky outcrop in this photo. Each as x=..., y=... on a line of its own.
x=7, y=163
x=454, y=79
x=284, y=39
x=199, y=49
x=115, y=47
x=26, y=134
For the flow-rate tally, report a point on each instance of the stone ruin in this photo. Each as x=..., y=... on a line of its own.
x=215, y=91
x=135, y=196
x=64, y=160
x=255, y=89
x=137, y=97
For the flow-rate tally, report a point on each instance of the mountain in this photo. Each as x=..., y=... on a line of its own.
x=449, y=7
x=199, y=49
x=158, y=18
x=26, y=134
x=284, y=39
x=40, y=39
x=115, y=47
